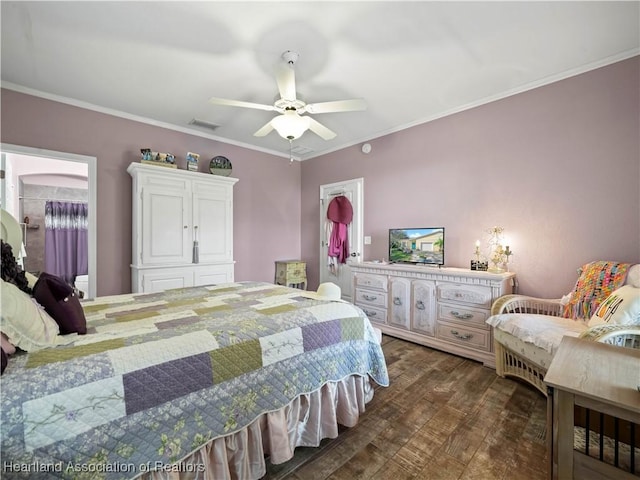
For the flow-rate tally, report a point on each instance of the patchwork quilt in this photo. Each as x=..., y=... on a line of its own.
x=159, y=375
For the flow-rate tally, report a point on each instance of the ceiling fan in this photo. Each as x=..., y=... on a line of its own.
x=291, y=122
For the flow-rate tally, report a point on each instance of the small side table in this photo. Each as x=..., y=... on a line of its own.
x=597, y=376
x=291, y=273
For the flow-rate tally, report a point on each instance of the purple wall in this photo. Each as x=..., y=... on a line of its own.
x=558, y=167
x=266, y=198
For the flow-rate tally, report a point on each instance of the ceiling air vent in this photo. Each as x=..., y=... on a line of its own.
x=203, y=124
x=299, y=150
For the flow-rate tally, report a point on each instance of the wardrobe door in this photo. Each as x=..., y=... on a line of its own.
x=213, y=222
x=166, y=226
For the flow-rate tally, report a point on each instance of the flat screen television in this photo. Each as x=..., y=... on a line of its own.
x=421, y=246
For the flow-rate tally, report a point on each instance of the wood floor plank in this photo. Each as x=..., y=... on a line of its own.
x=442, y=467
x=481, y=467
x=363, y=465
x=391, y=470
x=463, y=443
x=446, y=420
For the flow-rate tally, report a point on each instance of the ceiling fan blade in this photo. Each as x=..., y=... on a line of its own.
x=319, y=129
x=337, y=106
x=286, y=79
x=239, y=103
x=264, y=130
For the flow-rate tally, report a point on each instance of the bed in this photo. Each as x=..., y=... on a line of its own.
x=201, y=382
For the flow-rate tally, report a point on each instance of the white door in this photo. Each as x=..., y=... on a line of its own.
x=166, y=226
x=342, y=276
x=213, y=223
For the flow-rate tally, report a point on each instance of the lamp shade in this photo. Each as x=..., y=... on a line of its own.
x=290, y=125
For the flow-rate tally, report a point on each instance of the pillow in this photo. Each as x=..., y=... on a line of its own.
x=24, y=322
x=622, y=307
x=633, y=276
x=61, y=302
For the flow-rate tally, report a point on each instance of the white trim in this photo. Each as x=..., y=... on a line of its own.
x=492, y=98
x=91, y=163
x=483, y=101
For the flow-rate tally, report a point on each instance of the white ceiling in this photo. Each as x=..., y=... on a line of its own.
x=411, y=61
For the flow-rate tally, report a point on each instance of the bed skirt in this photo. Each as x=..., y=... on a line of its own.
x=304, y=422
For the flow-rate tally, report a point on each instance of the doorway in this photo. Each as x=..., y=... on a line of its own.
x=342, y=276
x=10, y=192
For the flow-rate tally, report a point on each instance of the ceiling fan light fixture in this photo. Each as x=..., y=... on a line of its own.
x=290, y=125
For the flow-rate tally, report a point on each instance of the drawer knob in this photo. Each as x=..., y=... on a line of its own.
x=461, y=316
x=420, y=305
x=397, y=301
x=369, y=297
x=465, y=336
x=370, y=314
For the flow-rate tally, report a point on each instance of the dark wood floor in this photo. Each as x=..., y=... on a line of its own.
x=442, y=417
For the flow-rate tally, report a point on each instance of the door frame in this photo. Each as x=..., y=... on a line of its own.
x=91, y=162
x=358, y=216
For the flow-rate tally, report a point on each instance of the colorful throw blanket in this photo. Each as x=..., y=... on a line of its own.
x=596, y=282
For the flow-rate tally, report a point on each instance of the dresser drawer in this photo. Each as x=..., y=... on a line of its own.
x=469, y=294
x=464, y=315
x=371, y=297
x=290, y=271
x=375, y=314
x=292, y=268
x=378, y=282
x=466, y=336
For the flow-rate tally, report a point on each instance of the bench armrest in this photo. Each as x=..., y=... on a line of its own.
x=621, y=335
x=524, y=304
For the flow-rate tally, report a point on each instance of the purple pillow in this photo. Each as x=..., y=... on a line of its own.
x=61, y=303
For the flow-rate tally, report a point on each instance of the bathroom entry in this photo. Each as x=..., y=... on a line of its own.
x=54, y=211
x=50, y=193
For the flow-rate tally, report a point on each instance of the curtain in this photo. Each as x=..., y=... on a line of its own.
x=66, y=243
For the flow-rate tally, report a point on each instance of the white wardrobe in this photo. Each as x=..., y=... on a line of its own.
x=182, y=228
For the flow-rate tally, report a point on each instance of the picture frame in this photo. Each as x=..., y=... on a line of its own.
x=192, y=161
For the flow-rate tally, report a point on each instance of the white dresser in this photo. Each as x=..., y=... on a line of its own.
x=443, y=308
x=172, y=209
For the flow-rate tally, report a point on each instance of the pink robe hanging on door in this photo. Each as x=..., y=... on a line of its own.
x=340, y=212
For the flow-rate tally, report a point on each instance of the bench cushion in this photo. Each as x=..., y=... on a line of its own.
x=543, y=331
